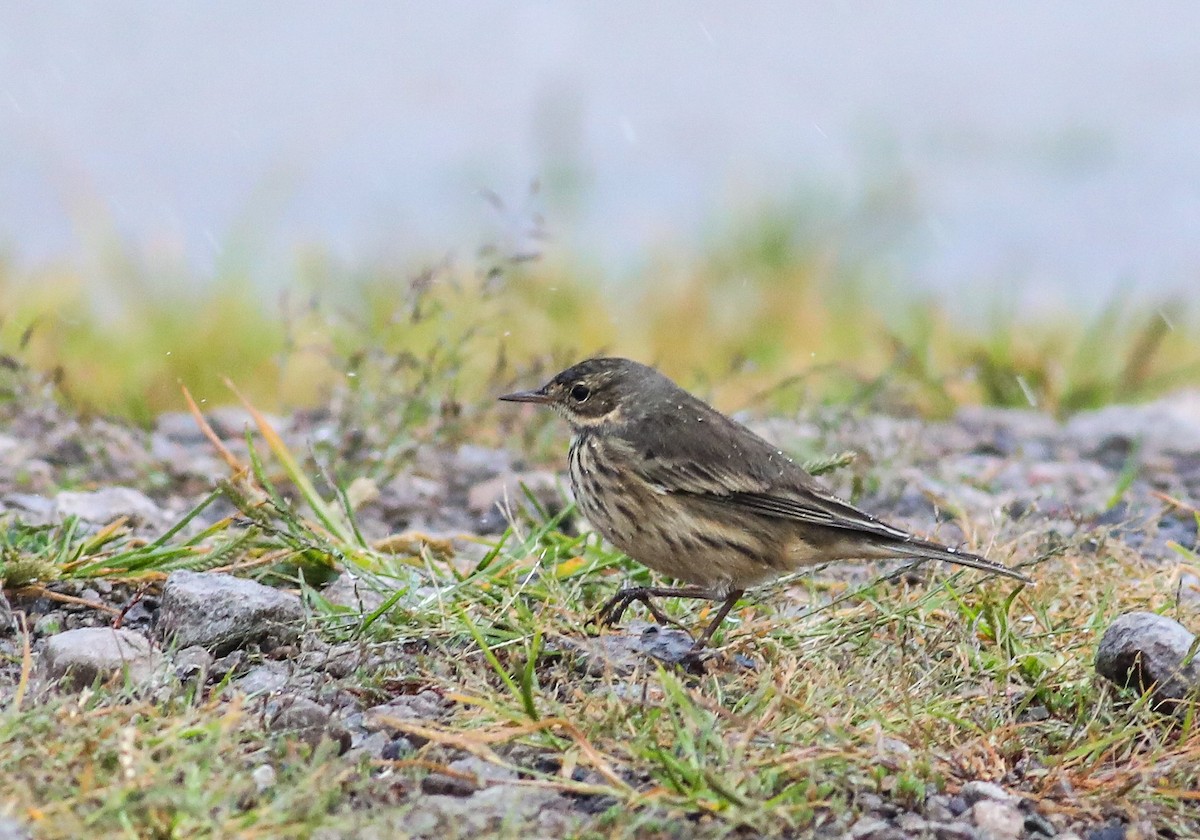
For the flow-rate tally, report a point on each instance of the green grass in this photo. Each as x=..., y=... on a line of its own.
x=778, y=311
x=897, y=689
x=178, y=768
x=890, y=688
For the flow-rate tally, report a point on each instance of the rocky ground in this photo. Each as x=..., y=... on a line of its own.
x=1016, y=484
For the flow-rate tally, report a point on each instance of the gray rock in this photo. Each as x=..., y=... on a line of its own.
x=193, y=664
x=622, y=653
x=99, y=507
x=294, y=713
x=302, y=718
x=959, y=806
x=338, y=661
x=873, y=828
x=79, y=657
x=492, y=502
x=427, y=705
x=262, y=679
x=179, y=426
x=408, y=497
x=978, y=790
x=231, y=421
x=11, y=829
x=264, y=777
x=231, y=665
x=12, y=450
x=953, y=830
x=937, y=808
x=1088, y=484
x=49, y=624
x=395, y=749
x=1114, y=829
x=912, y=824
x=473, y=464
x=347, y=590
x=482, y=813
x=997, y=820
x=868, y=802
x=30, y=507
x=1168, y=426
x=1148, y=650
x=373, y=745
x=186, y=461
x=117, y=453
x=482, y=770
x=223, y=613
x=1189, y=589
x=1007, y=431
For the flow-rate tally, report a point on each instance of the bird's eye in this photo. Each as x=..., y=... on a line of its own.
x=580, y=393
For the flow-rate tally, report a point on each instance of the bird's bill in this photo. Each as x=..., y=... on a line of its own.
x=539, y=396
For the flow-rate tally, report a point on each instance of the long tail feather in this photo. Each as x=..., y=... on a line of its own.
x=932, y=551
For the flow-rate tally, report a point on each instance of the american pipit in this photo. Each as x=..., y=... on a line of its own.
x=692, y=494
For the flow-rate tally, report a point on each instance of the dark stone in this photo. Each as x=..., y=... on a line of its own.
x=1037, y=825
x=1114, y=829
x=444, y=785
x=141, y=614
x=397, y=748
x=1118, y=514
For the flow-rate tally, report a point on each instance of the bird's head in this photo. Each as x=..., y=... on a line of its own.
x=595, y=392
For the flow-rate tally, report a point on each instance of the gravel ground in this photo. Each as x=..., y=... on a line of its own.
x=1020, y=478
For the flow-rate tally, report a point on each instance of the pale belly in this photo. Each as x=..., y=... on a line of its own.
x=679, y=537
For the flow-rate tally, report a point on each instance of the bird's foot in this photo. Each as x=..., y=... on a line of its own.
x=612, y=611
x=615, y=607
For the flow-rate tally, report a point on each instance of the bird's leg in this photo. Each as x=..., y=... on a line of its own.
x=726, y=606
x=612, y=611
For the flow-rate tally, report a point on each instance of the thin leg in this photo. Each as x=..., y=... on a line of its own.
x=612, y=611
x=717, y=619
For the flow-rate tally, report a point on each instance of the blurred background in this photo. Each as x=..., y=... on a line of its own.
x=993, y=199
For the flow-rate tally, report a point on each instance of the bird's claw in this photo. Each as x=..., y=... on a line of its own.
x=615, y=607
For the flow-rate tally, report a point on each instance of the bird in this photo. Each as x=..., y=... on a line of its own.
x=696, y=496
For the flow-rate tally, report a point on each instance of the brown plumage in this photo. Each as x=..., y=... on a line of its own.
x=687, y=491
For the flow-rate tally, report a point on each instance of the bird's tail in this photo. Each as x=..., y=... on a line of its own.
x=924, y=550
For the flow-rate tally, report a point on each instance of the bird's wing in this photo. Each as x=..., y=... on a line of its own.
x=816, y=508
x=732, y=465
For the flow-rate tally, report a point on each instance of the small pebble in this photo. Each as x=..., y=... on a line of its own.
x=998, y=820
x=264, y=777
x=441, y=784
